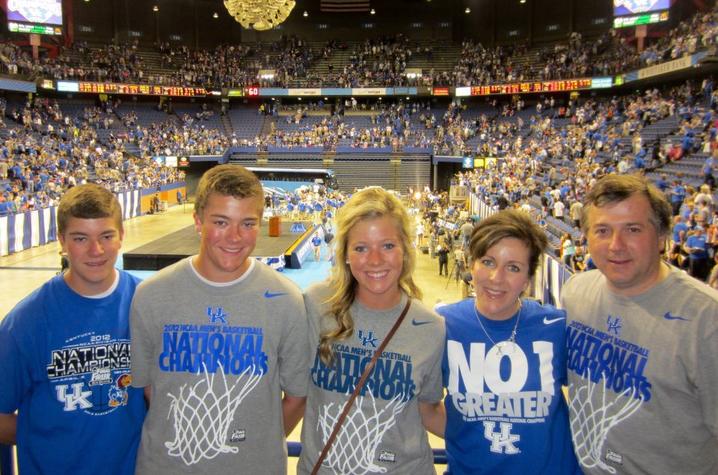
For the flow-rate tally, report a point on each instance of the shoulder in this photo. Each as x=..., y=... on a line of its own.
x=317, y=293
x=455, y=309
x=278, y=282
x=578, y=283
x=28, y=316
x=421, y=313
x=693, y=291
x=534, y=309
x=129, y=281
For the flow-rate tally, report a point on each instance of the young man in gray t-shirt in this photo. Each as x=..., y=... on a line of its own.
x=642, y=343
x=217, y=338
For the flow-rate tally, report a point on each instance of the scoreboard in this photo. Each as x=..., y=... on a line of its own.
x=140, y=89
x=533, y=86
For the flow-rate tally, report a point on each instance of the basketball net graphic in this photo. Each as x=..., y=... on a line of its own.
x=202, y=414
x=354, y=450
x=594, y=412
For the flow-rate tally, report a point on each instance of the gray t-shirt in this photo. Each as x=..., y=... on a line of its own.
x=643, y=376
x=218, y=359
x=383, y=432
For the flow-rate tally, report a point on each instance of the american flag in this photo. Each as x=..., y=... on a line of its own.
x=344, y=6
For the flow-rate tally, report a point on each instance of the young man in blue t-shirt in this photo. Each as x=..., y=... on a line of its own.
x=65, y=353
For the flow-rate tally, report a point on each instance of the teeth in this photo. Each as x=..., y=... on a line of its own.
x=377, y=275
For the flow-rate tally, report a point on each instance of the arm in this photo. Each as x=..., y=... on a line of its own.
x=148, y=395
x=433, y=416
x=292, y=411
x=8, y=427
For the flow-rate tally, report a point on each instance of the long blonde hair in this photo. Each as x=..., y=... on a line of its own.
x=369, y=203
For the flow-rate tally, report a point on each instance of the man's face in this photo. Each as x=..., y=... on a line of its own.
x=625, y=244
x=91, y=246
x=228, y=230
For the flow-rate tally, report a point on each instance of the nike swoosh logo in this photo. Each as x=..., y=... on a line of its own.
x=271, y=295
x=417, y=323
x=668, y=316
x=549, y=321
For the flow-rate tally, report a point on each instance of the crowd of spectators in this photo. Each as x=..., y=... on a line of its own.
x=374, y=62
x=44, y=152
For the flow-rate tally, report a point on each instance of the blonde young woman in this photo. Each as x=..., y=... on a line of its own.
x=349, y=316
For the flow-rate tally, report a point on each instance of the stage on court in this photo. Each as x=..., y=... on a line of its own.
x=185, y=242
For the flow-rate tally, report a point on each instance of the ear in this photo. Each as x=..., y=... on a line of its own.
x=61, y=239
x=197, y=222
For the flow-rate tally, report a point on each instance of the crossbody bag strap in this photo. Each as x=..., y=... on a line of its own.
x=357, y=389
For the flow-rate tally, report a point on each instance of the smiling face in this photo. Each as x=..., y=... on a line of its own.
x=91, y=246
x=228, y=228
x=499, y=277
x=375, y=256
x=625, y=245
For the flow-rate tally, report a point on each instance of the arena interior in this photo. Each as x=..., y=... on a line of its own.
x=462, y=107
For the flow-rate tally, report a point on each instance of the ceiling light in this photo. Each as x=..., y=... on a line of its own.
x=259, y=14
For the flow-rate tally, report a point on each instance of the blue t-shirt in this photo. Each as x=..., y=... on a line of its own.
x=505, y=409
x=697, y=242
x=677, y=228
x=65, y=367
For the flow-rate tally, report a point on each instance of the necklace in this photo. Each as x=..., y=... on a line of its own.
x=504, y=343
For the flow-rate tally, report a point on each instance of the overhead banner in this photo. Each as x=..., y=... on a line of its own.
x=369, y=91
x=304, y=92
x=667, y=67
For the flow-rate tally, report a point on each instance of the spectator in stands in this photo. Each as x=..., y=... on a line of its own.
x=80, y=316
x=568, y=249
x=372, y=287
x=645, y=304
x=498, y=324
x=697, y=249
x=223, y=288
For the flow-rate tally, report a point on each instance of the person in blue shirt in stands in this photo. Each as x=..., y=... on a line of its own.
x=697, y=251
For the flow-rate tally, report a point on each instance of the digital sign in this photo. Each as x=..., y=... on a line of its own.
x=41, y=17
x=635, y=20
x=140, y=89
x=440, y=91
x=532, y=87
x=34, y=29
x=632, y=7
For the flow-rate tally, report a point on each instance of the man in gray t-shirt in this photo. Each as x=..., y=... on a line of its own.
x=219, y=343
x=642, y=343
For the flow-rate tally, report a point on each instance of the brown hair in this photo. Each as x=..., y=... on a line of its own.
x=227, y=180
x=89, y=201
x=509, y=223
x=615, y=188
